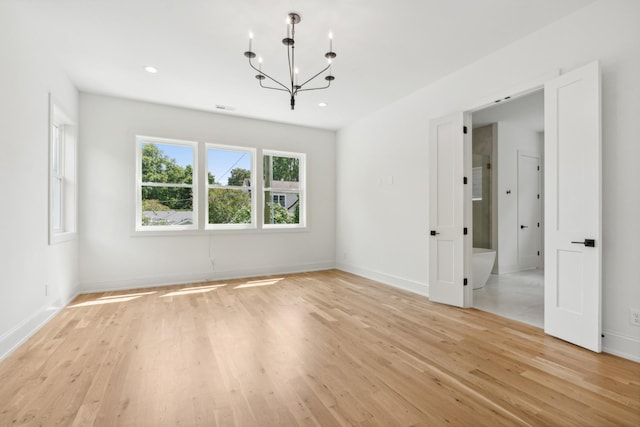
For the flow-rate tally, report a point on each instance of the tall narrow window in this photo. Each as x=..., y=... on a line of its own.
x=57, y=176
x=284, y=189
x=166, y=194
x=62, y=175
x=230, y=187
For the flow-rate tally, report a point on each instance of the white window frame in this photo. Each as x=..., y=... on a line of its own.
x=62, y=204
x=139, y=227
x=302, y=192
x=252, y=187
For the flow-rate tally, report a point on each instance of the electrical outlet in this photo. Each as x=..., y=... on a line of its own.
x=635, y=316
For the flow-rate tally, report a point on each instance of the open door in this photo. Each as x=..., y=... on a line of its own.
x=450, y=243
x=573, y=232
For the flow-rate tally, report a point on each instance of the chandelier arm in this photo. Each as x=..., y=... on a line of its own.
x=274, y=88
x=322, y=71
x=269, y=77
x=314, y=88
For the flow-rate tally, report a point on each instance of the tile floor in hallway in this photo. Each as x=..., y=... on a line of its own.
x=518, y=296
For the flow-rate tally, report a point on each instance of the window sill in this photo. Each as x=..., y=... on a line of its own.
x=219, y=231
x=57, y=238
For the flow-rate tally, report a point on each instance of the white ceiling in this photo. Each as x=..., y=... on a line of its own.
x=386, y=49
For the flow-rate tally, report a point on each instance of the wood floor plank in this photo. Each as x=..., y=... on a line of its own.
x=311, y=349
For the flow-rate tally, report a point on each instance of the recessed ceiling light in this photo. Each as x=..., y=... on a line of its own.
x=150, y=69
x=322, y=104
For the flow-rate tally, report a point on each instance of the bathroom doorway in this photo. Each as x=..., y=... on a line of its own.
x=508, y=208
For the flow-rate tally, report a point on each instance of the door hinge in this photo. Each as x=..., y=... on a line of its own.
x=464, y=231
x=465, y=281
x=538, y=253
x=464, y=179
x=538, y=225
x=538, y=196
x=464, y=130
x=538, y=167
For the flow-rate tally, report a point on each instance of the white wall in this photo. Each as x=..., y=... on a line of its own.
x=28, y=73
x=111, y=257
x=383, y=229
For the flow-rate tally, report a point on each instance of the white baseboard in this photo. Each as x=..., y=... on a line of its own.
x=15, y=337
x=396, y=282
x=207, y=276
x=621, y=345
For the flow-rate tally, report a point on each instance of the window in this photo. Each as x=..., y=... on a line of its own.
x=169, y=187
x=476, y=188
x=279, y=198
x=284, y=187
x=230, y=192
x=166, y=191
x=62, y=175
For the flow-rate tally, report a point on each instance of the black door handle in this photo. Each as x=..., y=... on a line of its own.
x=590, y=243
x=434, y=232
x=523, y=226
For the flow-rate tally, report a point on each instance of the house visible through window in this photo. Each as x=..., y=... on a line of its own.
x=166, y=185
x=62, y=176
x=284, y=189
x=230, y=195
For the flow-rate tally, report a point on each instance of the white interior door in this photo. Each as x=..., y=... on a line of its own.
x=449, y=246
x=528, y=209
x=573, y=232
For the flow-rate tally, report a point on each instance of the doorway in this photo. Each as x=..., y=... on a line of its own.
x=507, y=206
x=572, y=212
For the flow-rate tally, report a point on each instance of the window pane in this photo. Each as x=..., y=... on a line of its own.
x=476, y=188
x=228, y=167
x=56, y=204
x=285, y=170
x=229, y=206
x=167, y=163
x=55, y=149
x=167, y=206
x=283, y=208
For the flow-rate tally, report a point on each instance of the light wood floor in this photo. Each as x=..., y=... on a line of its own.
x=315, y=349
